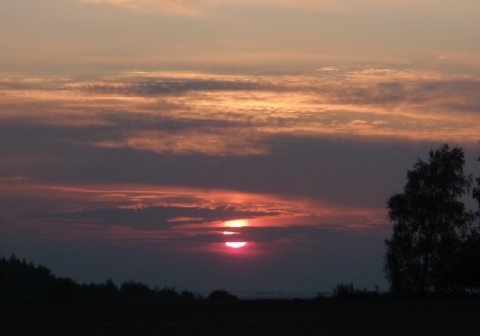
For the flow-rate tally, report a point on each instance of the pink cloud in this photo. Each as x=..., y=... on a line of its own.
x=176, y=7
x=201, y=7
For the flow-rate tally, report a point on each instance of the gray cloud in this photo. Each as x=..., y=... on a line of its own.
x=150, y=217
x=383, y=87
x=343, y=171
x=169, y=86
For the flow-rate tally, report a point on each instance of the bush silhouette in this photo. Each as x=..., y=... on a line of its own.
x=221, y=296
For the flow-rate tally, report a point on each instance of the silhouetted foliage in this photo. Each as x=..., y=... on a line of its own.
x=471, y=250
x=95, y=293
x=136, y=292
x=469, y=263
x=107, y=291
x=344, y=290
x=476, y=193
x=132, y=288
x=433, y=233
x=168, y=295
x=64, y=291
x=349, y=291
x=23, y=283
x=188, y=296
x=321, y=296
x=221, y=295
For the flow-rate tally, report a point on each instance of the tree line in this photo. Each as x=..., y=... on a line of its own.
x=23, y=284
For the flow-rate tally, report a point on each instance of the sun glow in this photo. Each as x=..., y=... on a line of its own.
x=236, y=245
x=236, y=223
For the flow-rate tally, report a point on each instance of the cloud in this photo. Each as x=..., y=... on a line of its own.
x=197, y=7
x=280, y=134
x=200, y=7
x=232, y=114
x=139, y=213
x=178, y=7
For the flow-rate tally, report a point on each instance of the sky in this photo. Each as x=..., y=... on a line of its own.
x=241, y=145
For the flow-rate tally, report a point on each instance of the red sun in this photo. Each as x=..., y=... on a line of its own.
x=236, y=245
x=235, y=224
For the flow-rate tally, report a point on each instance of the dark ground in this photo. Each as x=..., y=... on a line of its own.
x=263, y=317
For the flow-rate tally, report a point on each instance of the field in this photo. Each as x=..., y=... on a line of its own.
x=263, y=317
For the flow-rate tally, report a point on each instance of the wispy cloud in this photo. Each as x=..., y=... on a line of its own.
x=198, y=7
x=178, y=7
x=193, y=112
x=141, y=213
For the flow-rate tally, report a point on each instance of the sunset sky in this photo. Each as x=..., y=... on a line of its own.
x=137, y=138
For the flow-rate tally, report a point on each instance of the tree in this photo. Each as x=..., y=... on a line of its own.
x=430, y=226
x=471, y=250
x=469, y=263
x=222, y=295
x=476, y=193
x=347, y=291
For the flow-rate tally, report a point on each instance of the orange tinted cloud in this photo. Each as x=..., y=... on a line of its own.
x=196, y=7
x=182, y=7
x=214, y=114
x=139, y=213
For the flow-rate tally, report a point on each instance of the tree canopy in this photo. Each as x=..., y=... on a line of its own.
x=434, y=235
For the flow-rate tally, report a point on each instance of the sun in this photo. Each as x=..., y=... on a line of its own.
x=236, y=245
x=235, y=225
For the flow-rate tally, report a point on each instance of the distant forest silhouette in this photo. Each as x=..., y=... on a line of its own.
x=24, y=284
x=33, y=301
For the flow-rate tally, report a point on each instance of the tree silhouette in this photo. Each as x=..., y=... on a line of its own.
x=345, y=290
x=23, y=283
x=476, y=193
x=168, y=295
x=469, y=263
x=431, y=227
x=471, y=251
x=222, y=295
